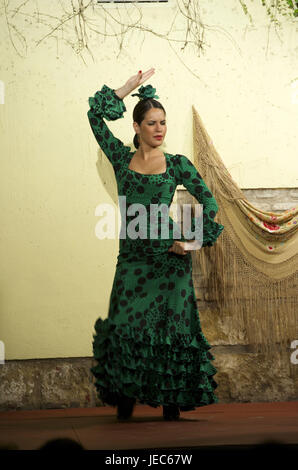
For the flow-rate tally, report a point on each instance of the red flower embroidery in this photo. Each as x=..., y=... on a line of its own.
x=271, y=226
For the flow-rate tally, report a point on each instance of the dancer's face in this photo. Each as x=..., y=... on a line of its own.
x=153, y=128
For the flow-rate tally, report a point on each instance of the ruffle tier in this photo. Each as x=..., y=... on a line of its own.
x=157, y=368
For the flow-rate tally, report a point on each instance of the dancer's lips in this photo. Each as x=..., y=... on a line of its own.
x=158, y=137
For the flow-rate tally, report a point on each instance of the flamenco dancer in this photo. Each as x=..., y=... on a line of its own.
x=151, y=347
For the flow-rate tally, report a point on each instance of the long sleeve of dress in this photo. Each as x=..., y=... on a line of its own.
x=189, y=177
x=106, y=104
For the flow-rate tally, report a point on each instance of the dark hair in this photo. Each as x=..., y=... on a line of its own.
x=139, y=112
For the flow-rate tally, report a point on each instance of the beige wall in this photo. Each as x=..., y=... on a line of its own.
x=56, y=275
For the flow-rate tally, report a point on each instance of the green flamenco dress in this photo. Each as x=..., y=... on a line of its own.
x=151, y=346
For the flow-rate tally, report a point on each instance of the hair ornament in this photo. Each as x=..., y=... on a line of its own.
x=146, y=92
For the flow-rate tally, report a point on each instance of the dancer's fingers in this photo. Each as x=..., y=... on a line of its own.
x=147, y=74
x=149, y=71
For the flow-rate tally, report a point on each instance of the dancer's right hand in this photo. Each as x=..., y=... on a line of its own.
x=178, y=248
x=134, y=82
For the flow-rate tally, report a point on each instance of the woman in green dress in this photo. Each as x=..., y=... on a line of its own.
x=151, y=347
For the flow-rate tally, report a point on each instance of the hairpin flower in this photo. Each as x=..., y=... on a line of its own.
x=146, y=92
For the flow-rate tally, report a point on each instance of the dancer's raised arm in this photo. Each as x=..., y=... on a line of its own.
x=108, y=104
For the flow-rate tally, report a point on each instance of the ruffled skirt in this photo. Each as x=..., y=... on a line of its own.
x=151, y=346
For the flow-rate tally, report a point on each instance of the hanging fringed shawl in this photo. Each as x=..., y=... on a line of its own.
x=252, y=269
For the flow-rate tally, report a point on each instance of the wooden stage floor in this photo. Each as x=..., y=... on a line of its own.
x=233, y=424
